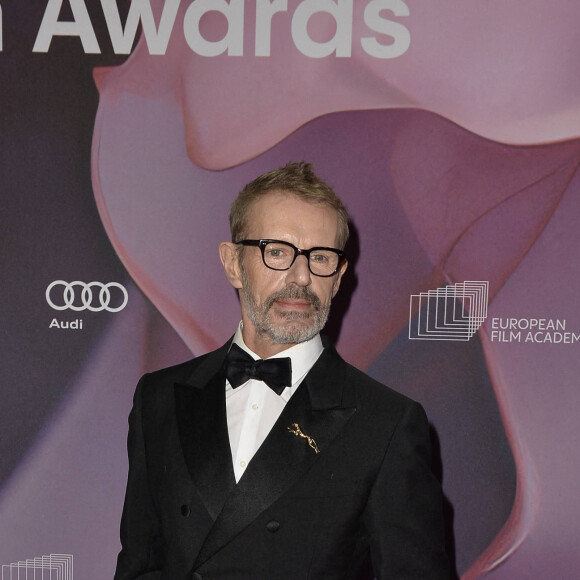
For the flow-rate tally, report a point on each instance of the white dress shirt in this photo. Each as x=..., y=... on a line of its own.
x=253, y=408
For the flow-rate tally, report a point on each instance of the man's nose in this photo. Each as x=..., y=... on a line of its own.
x=299, y=273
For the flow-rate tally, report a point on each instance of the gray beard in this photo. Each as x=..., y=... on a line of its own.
x=289, y=333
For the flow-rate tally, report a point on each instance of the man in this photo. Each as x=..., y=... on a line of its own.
x=271, y=458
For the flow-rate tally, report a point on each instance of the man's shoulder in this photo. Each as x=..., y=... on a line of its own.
x=369, y=388
x=368, y=391
x=175, y=373
x=184, y=372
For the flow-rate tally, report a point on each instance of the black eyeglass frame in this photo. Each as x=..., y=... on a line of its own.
x=297, y=252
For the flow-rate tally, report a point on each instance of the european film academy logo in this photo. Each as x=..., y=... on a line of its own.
x=449, y=313
x=52, y=567
x=92, y=296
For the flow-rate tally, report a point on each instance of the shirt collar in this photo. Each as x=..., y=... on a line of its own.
x=302, y=355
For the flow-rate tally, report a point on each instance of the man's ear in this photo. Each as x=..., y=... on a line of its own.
x=342, y=270
x=229, y=257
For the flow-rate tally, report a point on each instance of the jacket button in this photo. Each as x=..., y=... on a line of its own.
x=196, y=576
x=185, y=511
x=273, y=526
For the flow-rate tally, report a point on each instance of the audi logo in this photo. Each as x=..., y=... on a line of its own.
x=86, y=296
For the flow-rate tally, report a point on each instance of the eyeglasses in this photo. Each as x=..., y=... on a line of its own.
x=278, y=255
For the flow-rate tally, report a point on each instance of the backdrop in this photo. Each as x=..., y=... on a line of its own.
x=451, y=131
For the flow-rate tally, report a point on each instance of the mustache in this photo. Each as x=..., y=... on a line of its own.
x=294, y=293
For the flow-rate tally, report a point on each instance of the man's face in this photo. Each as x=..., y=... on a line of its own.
x=290, y=306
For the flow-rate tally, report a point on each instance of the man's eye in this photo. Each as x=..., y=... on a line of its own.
x=319, y=258
x=277, y=252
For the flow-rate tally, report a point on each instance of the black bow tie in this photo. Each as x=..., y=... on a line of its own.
x=275, y=372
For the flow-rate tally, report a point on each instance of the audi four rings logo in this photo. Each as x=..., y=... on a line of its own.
x=87, y=294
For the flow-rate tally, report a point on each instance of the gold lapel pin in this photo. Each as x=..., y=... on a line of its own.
x=295, y=429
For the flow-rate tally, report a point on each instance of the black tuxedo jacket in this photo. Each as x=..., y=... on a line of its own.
x=295, y=514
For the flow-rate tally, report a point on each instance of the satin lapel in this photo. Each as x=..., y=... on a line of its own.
x=321, y=410
x=202, y=423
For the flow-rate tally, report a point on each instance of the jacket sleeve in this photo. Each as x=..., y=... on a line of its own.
x=140, y=556
x=404, y=514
